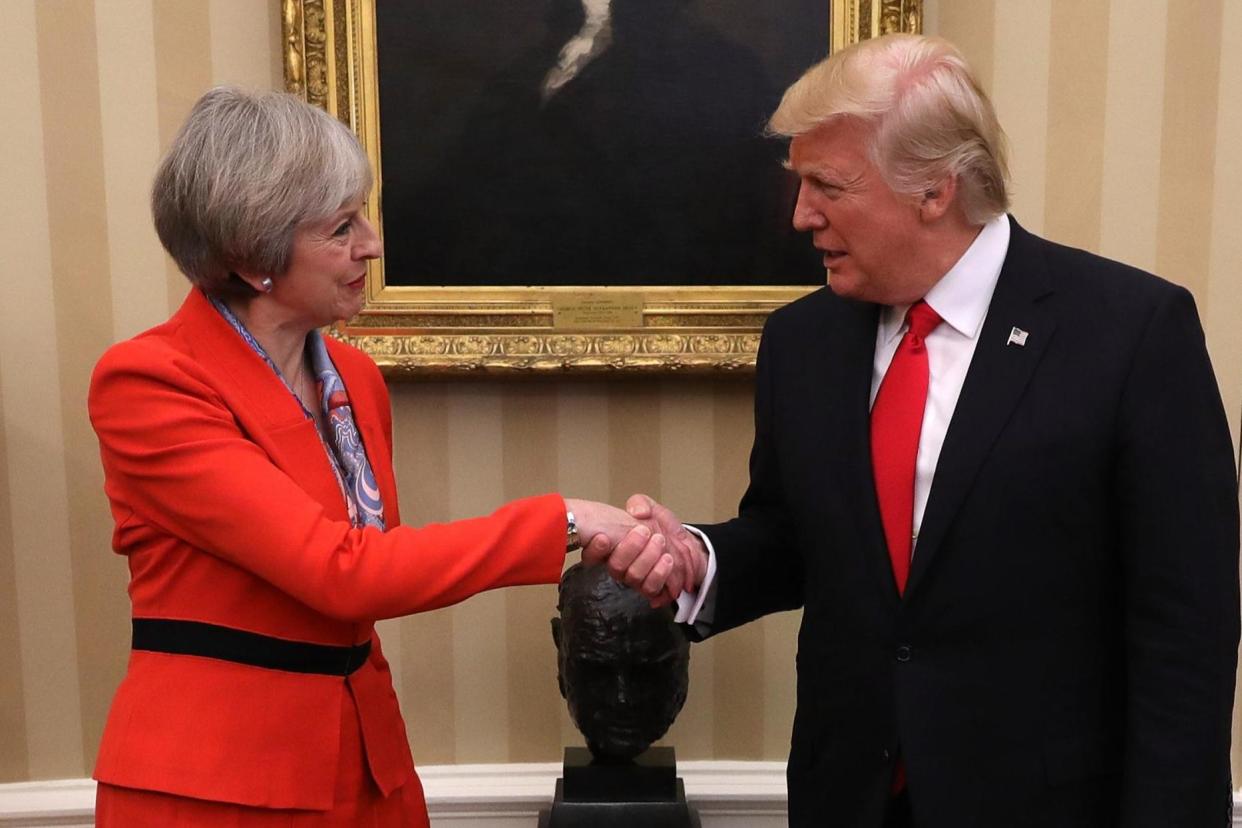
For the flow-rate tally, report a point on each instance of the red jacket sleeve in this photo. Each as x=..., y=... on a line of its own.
x=177, y=457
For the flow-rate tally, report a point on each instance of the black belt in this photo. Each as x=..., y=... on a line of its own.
x=165, y=635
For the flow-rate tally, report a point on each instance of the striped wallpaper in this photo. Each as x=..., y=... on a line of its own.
x=1125, y=118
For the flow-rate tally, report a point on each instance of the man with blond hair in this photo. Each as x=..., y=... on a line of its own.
x=996, y=475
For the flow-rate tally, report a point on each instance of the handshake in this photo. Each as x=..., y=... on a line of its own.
x=644, y=547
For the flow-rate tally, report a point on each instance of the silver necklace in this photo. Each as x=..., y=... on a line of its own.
x=296, y=387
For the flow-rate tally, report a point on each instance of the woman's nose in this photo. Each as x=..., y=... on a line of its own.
x=369, y=244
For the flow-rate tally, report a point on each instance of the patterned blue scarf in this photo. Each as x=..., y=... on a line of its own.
x=344, y=447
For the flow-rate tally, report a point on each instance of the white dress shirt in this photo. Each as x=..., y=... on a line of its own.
x=961, y=298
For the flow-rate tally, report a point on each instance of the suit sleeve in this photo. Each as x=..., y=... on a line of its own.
x=758, y=562
x=1177, y=498
x=175, y=456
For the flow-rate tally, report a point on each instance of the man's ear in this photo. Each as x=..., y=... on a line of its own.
x=938, y=199
x=556, y=632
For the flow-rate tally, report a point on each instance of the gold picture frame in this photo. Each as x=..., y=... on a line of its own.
x=330, y=58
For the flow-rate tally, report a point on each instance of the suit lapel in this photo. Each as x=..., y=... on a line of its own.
x=847, y=347
x=264, y=407
x=998, y=376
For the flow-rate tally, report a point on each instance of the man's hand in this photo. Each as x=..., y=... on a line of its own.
x=635, y=552
x=683, y=544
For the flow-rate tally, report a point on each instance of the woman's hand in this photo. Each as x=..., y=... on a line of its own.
x=636, y=552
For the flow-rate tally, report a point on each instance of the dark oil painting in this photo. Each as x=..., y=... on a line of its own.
x=591, y=142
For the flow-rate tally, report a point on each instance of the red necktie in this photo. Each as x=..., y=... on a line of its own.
x=896, y=421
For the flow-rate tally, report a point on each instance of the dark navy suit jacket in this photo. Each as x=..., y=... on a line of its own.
x=1064, y=653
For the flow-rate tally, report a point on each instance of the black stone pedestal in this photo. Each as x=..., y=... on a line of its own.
x=640, y=793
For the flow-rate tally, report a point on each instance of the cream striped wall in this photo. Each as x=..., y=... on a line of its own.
x=1125, y=118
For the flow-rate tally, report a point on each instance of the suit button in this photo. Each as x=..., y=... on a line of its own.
x=904, y=652
x=885, y=755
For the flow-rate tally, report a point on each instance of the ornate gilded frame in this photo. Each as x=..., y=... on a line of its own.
x=330, y=59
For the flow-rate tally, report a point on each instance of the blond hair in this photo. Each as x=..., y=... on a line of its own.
x=929, y=118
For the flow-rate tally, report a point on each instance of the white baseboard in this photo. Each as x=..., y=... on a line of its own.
x=726, y=794
x=54, y=802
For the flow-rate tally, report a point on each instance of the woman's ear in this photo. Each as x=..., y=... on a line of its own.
x=258, y=282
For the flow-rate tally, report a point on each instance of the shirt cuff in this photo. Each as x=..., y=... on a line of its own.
x=699, y=608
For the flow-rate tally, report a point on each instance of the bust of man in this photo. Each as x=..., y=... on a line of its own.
x=622, y=666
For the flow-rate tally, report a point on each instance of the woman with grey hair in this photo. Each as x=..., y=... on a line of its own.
x=247, y=460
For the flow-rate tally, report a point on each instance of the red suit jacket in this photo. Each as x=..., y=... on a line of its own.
x=229, y=513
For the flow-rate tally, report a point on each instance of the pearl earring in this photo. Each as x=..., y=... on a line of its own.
x=266, y=284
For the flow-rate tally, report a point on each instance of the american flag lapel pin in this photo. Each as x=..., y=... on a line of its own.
x=1017, y=336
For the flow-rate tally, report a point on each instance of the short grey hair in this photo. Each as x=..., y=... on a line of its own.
x=929, y=117
x=245, y=171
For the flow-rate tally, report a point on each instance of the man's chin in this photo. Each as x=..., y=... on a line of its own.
x=627, y=743
x=845, y=285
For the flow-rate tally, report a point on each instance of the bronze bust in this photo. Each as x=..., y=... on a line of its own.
x=622, y=666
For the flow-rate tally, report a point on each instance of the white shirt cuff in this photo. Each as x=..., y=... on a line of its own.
x=697, y=607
